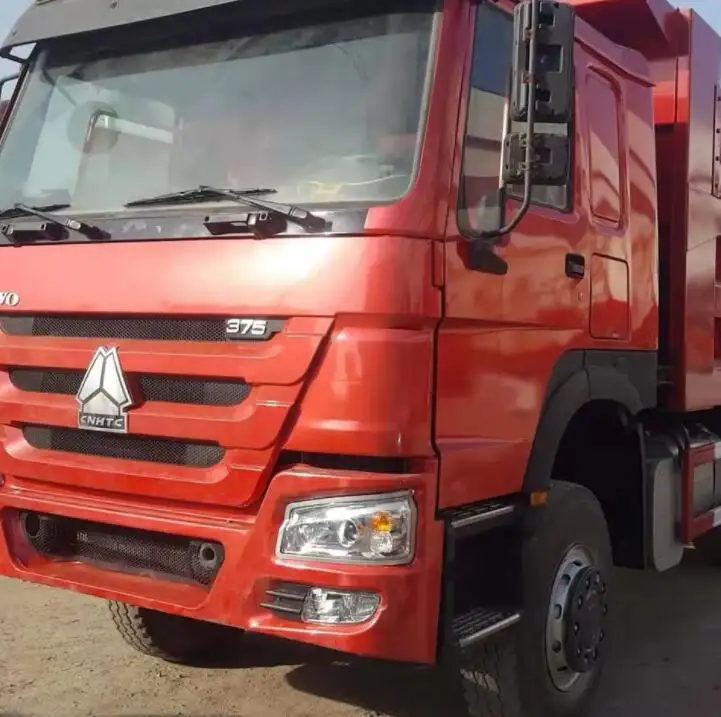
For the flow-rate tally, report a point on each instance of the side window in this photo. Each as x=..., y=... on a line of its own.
x=605, y=148
x=486, y=125
x=486, y=121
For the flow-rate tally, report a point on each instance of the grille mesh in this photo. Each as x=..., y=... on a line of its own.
x=125, y=549
x=154, y=388
x=128, y=447
x=114, y=327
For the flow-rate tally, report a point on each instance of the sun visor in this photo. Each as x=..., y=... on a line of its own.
x=45, y=19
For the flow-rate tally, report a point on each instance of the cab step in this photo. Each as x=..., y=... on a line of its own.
x=484, y=517
x=480, y=624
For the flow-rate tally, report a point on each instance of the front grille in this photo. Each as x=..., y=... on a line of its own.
x=203, y=392
x=116, y=327
x=128, y=447
x=124, y=549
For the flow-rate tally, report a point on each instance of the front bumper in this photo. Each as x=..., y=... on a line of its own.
x=404, y=627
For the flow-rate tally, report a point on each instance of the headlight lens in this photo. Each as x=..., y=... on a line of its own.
x=378, y=529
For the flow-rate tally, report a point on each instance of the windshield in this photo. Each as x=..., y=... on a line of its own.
x=324, y=112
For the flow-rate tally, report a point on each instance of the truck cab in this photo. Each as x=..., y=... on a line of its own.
x=387, y=327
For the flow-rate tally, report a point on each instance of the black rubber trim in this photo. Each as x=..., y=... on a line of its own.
x=629, y=378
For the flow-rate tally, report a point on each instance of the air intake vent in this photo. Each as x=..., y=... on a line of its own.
x=170, y=389
x=123, y=549
x=114, y=327
x=128, y=447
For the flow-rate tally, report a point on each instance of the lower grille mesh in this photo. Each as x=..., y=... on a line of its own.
x=124, y=549
x=128, y=447
x=169, y=389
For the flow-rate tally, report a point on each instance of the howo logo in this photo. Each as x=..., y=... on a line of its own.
x=9, y=298
x=103, y=395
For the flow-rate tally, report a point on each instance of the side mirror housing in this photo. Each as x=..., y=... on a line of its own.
x=550, y=102
x=541, y=92
x=552, y=67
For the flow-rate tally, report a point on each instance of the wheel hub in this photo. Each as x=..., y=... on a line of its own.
x=576, y=622
x=585, y=619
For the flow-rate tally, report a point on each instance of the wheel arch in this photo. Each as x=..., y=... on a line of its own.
x=587, y=435
x=580, y=378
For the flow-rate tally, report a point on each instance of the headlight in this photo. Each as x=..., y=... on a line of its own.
x=377, y=529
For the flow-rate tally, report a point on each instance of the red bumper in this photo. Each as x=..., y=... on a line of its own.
x=404, y=628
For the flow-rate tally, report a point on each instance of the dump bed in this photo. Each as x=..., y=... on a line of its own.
x=685, y=56
x=688, y=131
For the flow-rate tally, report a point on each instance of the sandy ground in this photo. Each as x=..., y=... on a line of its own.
x=59, y=655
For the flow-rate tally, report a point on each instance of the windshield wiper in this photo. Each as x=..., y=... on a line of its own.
x=197, y=194
x=297, y=215
x=46, y=214
x=13, y=212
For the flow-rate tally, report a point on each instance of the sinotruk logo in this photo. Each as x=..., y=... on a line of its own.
x=103, y=396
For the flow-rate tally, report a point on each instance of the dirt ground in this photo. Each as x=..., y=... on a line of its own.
x=59, y=655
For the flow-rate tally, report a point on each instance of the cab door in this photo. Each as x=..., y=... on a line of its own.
x=502, y=332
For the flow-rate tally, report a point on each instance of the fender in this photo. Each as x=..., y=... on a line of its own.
x=628, y=378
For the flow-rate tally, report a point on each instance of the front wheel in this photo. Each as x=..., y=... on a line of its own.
x=549, y=665
x=172, y=638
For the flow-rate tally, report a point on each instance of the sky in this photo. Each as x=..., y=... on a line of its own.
x=11, y=9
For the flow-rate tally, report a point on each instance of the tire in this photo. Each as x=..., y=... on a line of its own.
x=172, y=638
x=513, y=674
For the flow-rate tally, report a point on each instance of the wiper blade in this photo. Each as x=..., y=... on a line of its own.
x=297, y=215
x=46, y=214
x=197, y=194
x=13, y=212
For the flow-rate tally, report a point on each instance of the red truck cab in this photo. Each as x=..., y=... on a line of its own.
x=387, y=327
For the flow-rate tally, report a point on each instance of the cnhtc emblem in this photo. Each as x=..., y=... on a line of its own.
x=103, y=395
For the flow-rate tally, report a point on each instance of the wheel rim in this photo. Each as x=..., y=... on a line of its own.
x=576, y=621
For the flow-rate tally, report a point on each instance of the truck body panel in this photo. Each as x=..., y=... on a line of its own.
x=690, y=214
x=503, y=336
x=232, y=434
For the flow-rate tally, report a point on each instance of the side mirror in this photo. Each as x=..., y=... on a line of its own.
x=541, y=92
x=549, y=64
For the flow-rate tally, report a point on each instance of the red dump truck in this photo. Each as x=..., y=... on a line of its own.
x=388, y=327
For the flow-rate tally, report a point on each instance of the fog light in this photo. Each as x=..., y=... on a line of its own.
x=338, y=607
